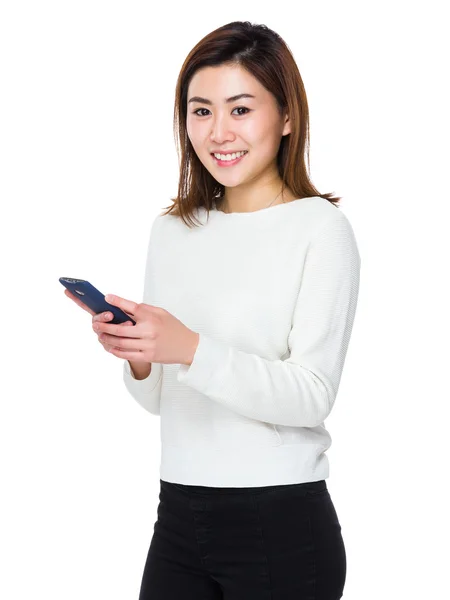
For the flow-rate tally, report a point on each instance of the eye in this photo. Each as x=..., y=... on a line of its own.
x=195, y=112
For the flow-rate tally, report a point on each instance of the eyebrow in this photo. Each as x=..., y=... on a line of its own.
x=228, y=100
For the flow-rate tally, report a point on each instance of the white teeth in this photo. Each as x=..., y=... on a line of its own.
x=230, y=156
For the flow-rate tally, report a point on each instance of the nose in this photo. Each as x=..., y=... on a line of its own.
x=221, y=131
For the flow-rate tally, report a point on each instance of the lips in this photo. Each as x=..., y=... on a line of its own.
x=228, y=163
x=225, y=152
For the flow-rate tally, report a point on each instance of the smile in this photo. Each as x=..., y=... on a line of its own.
x=228, y=163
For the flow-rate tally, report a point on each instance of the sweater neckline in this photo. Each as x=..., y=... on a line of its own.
x=244, y=215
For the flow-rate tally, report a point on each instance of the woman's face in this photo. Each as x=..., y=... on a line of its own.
x=251, y=124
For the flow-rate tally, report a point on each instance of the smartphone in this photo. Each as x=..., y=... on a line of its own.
x=94, y=299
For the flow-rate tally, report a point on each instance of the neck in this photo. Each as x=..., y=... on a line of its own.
x=271, y=198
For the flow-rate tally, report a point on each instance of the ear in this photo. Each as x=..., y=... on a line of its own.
x=287, y=126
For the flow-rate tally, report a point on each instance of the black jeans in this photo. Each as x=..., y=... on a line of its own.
x=279, y=542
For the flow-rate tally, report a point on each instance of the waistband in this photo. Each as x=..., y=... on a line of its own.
x=314, y=486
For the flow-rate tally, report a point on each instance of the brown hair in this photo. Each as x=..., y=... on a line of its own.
x=265, y=55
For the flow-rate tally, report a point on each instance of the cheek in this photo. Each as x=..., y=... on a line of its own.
x=195, y=133
x=192, y=127
x=256, y=134
x=262, y=137
x=189, y=129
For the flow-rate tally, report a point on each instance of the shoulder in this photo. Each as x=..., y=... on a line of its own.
x=320, y=214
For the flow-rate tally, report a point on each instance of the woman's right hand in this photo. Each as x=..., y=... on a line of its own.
x=96, y=317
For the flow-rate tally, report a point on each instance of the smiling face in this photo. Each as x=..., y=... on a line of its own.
x=251, y=124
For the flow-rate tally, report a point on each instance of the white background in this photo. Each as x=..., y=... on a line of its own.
x=88, y=160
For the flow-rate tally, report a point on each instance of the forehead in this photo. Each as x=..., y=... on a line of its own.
x=218, y=83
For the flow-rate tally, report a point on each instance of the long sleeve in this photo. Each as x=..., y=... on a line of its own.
x=147, y=392
x=299, y=391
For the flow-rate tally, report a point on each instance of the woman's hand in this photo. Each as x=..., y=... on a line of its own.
x=158, y=336
x=104, y=316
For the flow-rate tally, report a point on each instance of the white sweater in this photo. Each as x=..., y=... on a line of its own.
x=272, y=294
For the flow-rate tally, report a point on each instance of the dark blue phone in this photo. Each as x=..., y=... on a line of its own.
x=94, y=299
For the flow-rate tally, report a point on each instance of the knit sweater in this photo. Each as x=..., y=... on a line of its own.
x=272, y=294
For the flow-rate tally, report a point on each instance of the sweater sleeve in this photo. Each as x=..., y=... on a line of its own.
x=147, y=392
x=299, y=391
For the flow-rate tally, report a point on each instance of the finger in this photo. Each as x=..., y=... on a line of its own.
x=128, y=306
x=127, y=343
x=104, y=316
x=101, y=318
x=125, y=354
x=106, y=346
x=112, y=347
x=116, y=329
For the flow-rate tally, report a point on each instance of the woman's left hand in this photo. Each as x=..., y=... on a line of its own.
x=158, y=336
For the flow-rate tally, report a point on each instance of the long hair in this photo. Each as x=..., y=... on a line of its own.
x=265, y=55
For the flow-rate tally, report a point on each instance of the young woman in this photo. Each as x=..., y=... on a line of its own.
x=250, y=295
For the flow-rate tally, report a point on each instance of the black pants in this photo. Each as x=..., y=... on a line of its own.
x=279, y=542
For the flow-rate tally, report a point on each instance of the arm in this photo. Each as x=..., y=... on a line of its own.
x=299, y=391
x=147, y=392
x=145, y=387
x=140, y=370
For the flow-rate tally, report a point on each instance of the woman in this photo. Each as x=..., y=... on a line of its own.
x=241, y=339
